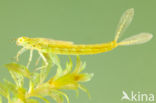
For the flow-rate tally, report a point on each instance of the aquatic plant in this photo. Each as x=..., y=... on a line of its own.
x=39, y=85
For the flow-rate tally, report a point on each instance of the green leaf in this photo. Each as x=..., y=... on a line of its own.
x=3, y=90
x=21, y=93
x=40, y=90
x=31, y=101
x=78, y=65
x=55, y=59
x=85, y=90
x=18, y=78
x=41, y=97
x=85, y=77
x=69, y=66
x=1, y=100
x=10, y=86
x=57, y=97
x=17, y=68
x=56, y=93
x=17, y=72
x=83, y=66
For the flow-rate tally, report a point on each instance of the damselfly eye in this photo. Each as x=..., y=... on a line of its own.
x=21, y=39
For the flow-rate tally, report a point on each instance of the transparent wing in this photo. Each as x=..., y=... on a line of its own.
x=125, y=20
x=137, y=39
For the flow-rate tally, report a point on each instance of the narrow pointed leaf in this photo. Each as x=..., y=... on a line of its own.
x=10, y=86
x=18, y=69
x=31, y=101
x=3, y=90
x=1, y=100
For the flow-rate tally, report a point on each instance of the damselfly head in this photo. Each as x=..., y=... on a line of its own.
x=21, y=40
